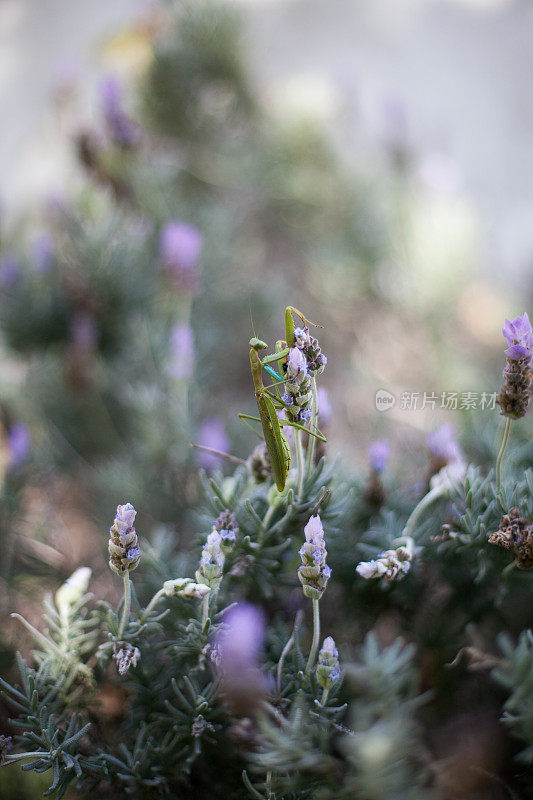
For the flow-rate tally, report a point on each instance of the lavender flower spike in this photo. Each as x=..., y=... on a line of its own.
x=313, y=572
x=327, y=669
x=211, y=561
x=513, y=398
x=519, y=335
x=378, y=455
x=122, y=130
x=124, y=553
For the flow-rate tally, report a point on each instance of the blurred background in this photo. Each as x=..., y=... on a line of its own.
x=174, y=175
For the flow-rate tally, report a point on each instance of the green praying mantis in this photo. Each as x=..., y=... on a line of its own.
x=269, y=403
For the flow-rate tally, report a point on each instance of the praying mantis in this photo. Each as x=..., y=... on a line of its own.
x=269, y=403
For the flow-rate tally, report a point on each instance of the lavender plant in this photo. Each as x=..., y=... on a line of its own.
x=223, y=680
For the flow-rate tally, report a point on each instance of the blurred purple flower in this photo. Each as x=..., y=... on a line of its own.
x=9, y=271
x=325, y=409
x=122, y=130
x=180, y=246
x=378, y=455
x=84, y=334
x=241, y=641
x=18, y=443
x=519, y=335
x=443, y=446
x=181, y=358
x=212, y=434
x=239, y=645
x=43, y=252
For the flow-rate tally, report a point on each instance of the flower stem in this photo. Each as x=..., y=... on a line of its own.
x=501, y=454
x=419, y=509
x=126, y=607
x=316, y=637
x=324, y=697
x=300, y=463
x=287, y=648
x=311, y=444
x=152, y=604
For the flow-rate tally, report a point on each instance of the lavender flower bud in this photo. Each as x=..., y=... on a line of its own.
x=390, y=565
x=211, y=562
x=327, y=669
x=186, y=588
x=302, y=338
x=378, y=455
x=314, y=573
x=123, y=541
x=126, y=656
x=513, y=398
x=239, y=644
x=316, y=360
x=226, y=525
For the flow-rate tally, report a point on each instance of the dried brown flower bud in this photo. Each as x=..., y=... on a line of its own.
x=515, y=533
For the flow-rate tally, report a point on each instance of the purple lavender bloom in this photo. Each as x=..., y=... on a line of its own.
x=519, y=335
x=443, y=446
x=121, y=128
x=239, y=644
x=181, y=360
x=9, y=271
x=296, y=365
x=378, y=455
x=325, y=409
x=305, y=415
x=43, y=252
x=125, y=517
x=212, y=434
x=19, y=444
x=180, y=245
